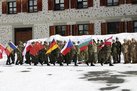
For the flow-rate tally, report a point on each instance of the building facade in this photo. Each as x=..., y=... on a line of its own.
x=27, y=19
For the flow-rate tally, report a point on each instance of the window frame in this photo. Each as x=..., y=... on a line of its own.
x=84, y=31
x=113, y=3
x=59, y=5
x=134, y=27
x=134, y=1
x=61, y=31
x=33, y=10
x=109, y=31
x=12, y=7
x=82, y=2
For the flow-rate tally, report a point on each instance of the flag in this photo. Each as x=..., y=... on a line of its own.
x=67, y=47
x=108, y=41
x=12, y=45
x=84, y=44
x=1, y=50
x=52, y=46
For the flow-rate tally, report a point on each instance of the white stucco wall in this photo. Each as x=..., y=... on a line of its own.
x=42, y=20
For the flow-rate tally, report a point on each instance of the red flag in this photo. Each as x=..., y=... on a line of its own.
x=1, y=50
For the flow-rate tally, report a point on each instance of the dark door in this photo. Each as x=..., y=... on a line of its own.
x=22, y=34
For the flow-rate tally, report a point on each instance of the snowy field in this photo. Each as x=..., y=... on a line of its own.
x=120, y=77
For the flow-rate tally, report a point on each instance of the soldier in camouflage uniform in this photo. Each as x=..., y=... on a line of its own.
x=129, y=51
x=92, y=53
x=133, y=51
x=125, y=51
x=19, y=50
x=107, y=54
x=118, y=44
x=74, y=54
x=114, y=52
x=84, y=55
x=45, y=56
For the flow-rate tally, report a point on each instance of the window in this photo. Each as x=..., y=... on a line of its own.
x=82, y=4
x=135, y=26
x=112, y=2
x=113, y=27
x=134, y=1
x=83, y=29
x=60, y=30
x=12, y=7
x=32, y=6
x=59, y=4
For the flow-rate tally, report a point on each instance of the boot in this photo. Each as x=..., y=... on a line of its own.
x=111, y=64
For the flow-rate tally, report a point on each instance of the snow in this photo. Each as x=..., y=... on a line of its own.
x=67, y=78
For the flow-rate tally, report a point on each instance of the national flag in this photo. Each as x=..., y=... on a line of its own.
x=67, y=47
x=12, y=45
x=108, y=41
x=1, y=50
x=84, y=44
x=52, y=46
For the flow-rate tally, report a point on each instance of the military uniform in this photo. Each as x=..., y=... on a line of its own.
x=19, y=50
x=118, y=44
x=133, y=51
x=114, y=52
x=125, y=52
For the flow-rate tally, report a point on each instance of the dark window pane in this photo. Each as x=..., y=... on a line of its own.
x=60, y=30
x=59, y=4
x=32, y=6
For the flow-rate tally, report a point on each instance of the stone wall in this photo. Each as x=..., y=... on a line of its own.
x=42, y=20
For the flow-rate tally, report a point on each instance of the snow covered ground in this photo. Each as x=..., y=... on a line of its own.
x=120, y=77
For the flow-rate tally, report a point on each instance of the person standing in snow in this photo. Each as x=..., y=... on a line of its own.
x=118, y=44
x=125, y=51
x=133, y=51
x=114, y=52
x=45, y=56
x=19, y=51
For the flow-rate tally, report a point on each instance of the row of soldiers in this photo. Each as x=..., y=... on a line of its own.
x=96, y=52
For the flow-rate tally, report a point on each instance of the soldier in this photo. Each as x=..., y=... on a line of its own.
x=118, y=50
x=133, y=51
x=125, y=51
x=100, y=51
x=129, y=51
x=84, y=54
x=114, y=52
x=45, y=56
x=91, y=56
x=27, y=55
x=74, y=54
x=19, y=50
x=107, y=53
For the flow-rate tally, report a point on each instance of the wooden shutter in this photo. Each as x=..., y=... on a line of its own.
x=103, y=28
x=103, y=2
x=39, y=3
x=4, y=7
x=18, y=2
x=67, y=30
x=121, y=1
x=128, y=1
x=90, y=3
x=130, y=26
x=24, y=5
x=121, y=27
x=73, y=3
x=52, y=30
x=50, y=4
x=75, y=30
x=91, y=29
x=66, y=4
